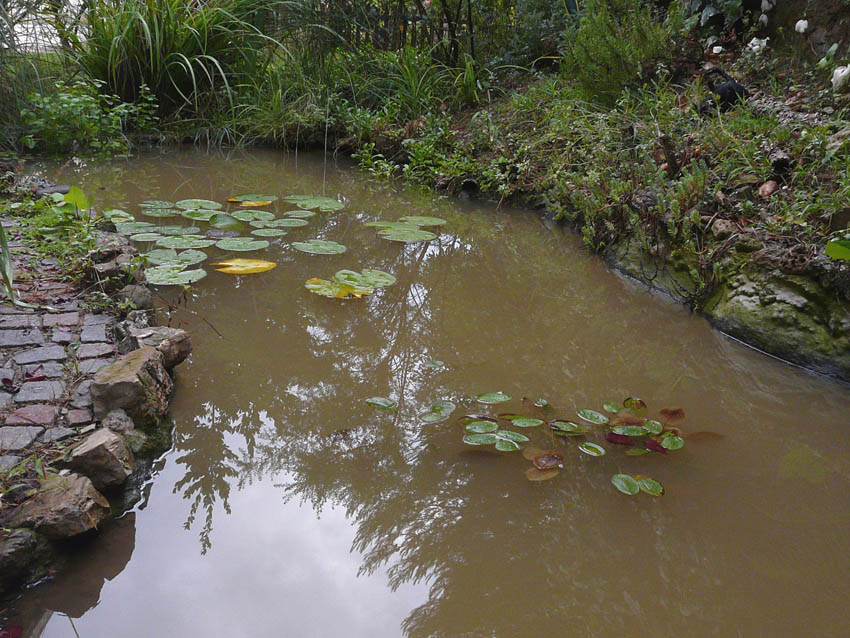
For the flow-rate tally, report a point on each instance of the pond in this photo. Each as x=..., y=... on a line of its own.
x=288, y=506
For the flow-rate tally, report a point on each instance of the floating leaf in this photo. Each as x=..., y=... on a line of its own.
x=548, y=460
x=385, y=225
x=419, y=220
x=436, y=364
x=155, y=203
x=131, y=228
x=200, y=215
x=268, y=232
x=633, y=403
x=195, y=204
x=568, y=428
x=481, y=427
x=224, y=221
x=382, y=403
x=283, y=223
x=161, y=212
x=592, y=416
x=253, y=197
x=480, y=439
x=630, y=430
x=653, y=427
x=176, y=230
x=241, y=244
x=333, y=289
x=493, y=397
x=636, y=451
x=161, y=256
x=309, y=201
x=619, y=439
x=611, y=407
x=301, y=214
x=145, y=237
x=377, y=278
x=506, y=445
x=244, y=266
x=591, y=448
x=319, y=247
x=254, y=204
x=540, y=402
x=117, y=215
x=533, y=474
x=655, y=446
x=407, y=236
x=672, y=442
x=626, y=484
x=188, y=241
x=650, y=486
x=469, y=418
x=170, y=275
x=672, y=416
x=512, y=436
x=253, y=215
x=525, y=422
x=440, y=411
x=623, y=418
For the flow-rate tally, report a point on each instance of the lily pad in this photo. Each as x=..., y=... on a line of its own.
x=439, y=412
x=493, y=397
x=286, y=222
x=334, y=289
x=480, y=439
x=636, y=451
x=194, y=204
x=186, y=241
x=540, y=402
x=131, y=228
x=268, y=232
x=176, y=230
x=630, y=430
x=326, y=204
x=611, y=407
x=301, y=213
x=145, y=237
x=156, y=203
x=653, y=427
x=481, y=427
x=525, y=422
x=626, y=484
x=407, y=236
x=382, y=403
x=244, y=266
x=171, y=275
x=161, y=212
x=223, y=221
x=591, y=448
x=255, y=203
x=635, y=404
x=253, y=197
x=319, y=247
x=200, y=215
x=386, y=225
x=568, y=428
x=592, y=416
x=117, y=215
x=420, y=220
x=377, y=278
x=253, y=215
x=650, y=486
x=436, y=364
x=241, y=244
x=672, y=442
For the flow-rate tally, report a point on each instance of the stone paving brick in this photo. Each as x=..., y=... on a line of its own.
x=79, y=417
x=91, y=366
x=17, y=438
x=40, y=414
x=91, y=350
x=90, y=333
x=81, y=397
x=40, y=391
x=62, y=336
x=5, y=398
x=51, y=370
x=56, y=434
x=97, y=320
x=8, y=461
x=19, y=321
x=14, y=338
x=45, y=353
x=7, y=373
x=64, y=319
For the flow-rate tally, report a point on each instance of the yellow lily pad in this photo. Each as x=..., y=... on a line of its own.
x=244, y=266
x=254, y=204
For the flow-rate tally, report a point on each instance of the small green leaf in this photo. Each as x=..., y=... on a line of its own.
x=480, y=439
x=568, y=428
x=838, y=249
x=650, y=486
x=186, y=241
x=420, y=220
x=672, y=442
x=253, y=215
x=524, y=422
x=194, y=204
x=319, y=247
x=481, y=427
x=541, y=403
x=592, y=416
x=506, y=445
x=76, y=197
x=512, y=436
x=611, y=407
x=653, y=427
x=161, y=212
x=440, y=411
x=382, y=403
x=493, y=397
x=223, y=221
x=173, y=275
x=201, y=215
x=626, y=484
x=282, y=223
x=155, y=203
x=629, y=430
x=377, y=278
x=131, y=228
x=591, y=448
x=406, y=236
x=241, y=244
x=635, y=404
x=176, y=230
x=268, y=232
x=636, y=451
x=145, y=237
x=326, y=204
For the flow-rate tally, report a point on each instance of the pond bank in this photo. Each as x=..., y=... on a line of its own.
x=85, y=389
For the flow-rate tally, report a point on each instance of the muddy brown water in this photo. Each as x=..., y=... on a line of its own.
x=288, y=507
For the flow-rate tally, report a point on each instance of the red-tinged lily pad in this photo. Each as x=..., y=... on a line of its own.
x=633, y=403
x=549, y=460
x=704, y=436
x=619, y=439
x=654, y=446
x=535, y=474
x=627, y=419
x=672, y=416
x=529, y=453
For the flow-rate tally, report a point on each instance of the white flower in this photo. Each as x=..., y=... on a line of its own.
x=757, y=45
x=802, y=26
x=766, y=5
x=840, y=77
x=763, y=20
x=717, y=50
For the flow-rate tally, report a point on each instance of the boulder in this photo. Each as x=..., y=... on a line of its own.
x=23, y=557
x=139, y=296
x=103, y=457
x=136, y=382
x=174, y=344
x=118, y=421
x=65, y=506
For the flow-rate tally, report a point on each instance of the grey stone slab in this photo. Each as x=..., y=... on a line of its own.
x=62, y=336
x=15, y=338
x=49, y=369
x=40, y=391
x=5, y=398
x=79, y=417
x=91, y=366
x=19, y=321
x=14, y=438
x=97, y=320
x=63, y=319
x=92, y=334
x=81, y=397
x=38, y=414
x=56, y=434
x=8, y=461
x=91, y=350
x=44, y=353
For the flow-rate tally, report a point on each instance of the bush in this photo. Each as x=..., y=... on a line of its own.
x=615, y=43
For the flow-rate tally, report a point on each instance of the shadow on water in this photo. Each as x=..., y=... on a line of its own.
x=273, y=430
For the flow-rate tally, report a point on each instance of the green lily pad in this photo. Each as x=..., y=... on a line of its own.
x=319, y=247
x=436, y=364
x=838, y=249
x=626, y=484
x=253, y=215
x=509, y=441
x=493, y=397
x=185, y=241
x=171, y=275
x=629, y=430
x=480, y=439
x=335, y=289
x=568, y=428
x=241, y=244
x=131, y=228
x=223, y=221
x=145, y=237
x=440, y=411
x=194, y=204
x=268, y=232
x=301, y=213
x=525, y=422
x=636, y=451
x=611, y=407
x=653, y=427
x=377, y=278
x=506, y=445
x=672, y=442
x=161, y=212
x=382, y=403
x=481, y=427
x=407, y=236
x=385, y=225
x=156, y=203
x=591, y=448
x=200, y=215
x=540, y=402
x=512, y=436
x=592, y=416
x=326, y=204
x=420, y=220
x=286, y=222
x=117, y=215
x=176, y=230
x=650, y=486
x=254, y=197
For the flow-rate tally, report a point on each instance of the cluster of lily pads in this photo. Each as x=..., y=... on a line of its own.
x=349, y=283
x=407, y=229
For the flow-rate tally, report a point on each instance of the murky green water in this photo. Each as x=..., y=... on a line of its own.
x=290, y=508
